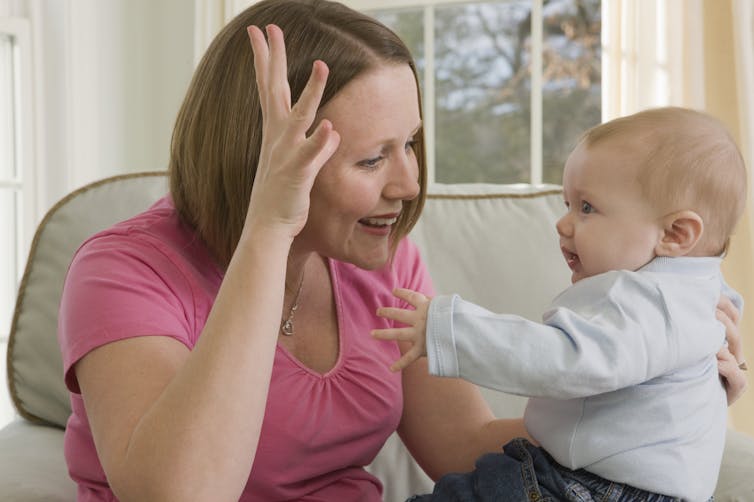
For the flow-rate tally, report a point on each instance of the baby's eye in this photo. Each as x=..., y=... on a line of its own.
x=586, y=208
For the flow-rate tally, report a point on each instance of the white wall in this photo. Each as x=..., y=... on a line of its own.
x=108, y=78
x=113, y=74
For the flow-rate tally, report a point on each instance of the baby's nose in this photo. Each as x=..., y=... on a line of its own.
x=564, y=226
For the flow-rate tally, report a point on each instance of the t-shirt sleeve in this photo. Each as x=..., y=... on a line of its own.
x=411, y=270
x=119, y=287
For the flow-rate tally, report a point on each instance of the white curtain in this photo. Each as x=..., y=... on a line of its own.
x=743, y=31
x=209, y=17
x=739, y=266
x=698, y=54
x=651, y=55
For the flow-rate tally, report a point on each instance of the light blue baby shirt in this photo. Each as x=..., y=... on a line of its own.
x=622, y=372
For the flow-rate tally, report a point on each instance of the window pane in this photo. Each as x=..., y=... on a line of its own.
x=8, y=259
x=572, y=77
x=482, y=58
x=409, y=25
x=7, y=110
x=482, y=109
x=482, y=87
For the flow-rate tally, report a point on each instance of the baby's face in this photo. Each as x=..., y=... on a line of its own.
x=608, y=224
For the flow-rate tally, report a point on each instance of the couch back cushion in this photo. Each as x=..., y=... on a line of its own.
x=496, y=246
x=493, y=245
x=35, y=367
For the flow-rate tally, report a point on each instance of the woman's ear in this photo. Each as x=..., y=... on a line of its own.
x=681, y=232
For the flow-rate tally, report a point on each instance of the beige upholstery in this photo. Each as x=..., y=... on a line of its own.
x=496, y=248
x=34, y=363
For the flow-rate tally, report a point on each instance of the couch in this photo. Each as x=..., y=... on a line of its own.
x=495, y=245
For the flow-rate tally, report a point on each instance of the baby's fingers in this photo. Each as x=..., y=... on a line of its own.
x=413, y=298
x=398, y=334
x=397, y=314
x=403, y=363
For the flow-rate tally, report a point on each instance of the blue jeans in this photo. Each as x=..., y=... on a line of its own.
x=528, y=473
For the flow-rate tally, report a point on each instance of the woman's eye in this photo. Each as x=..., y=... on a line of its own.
x=410, y=144
x=371, y=163
x=586, y=208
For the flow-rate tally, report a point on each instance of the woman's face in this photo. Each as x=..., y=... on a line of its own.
x=359, y=192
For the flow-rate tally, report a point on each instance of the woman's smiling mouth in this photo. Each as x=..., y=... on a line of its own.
x=379, y=225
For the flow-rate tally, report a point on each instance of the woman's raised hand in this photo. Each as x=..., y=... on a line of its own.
x=730, y=359
x=289, y=160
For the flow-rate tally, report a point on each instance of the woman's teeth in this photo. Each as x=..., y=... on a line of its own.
x=378, y=222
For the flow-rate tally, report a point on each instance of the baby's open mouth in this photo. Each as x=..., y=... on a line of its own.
x=572, y=259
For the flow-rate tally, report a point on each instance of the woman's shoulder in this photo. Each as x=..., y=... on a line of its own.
x=158, y=230
x=160, y=220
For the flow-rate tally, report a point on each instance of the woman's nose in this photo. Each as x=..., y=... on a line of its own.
x=403, y=182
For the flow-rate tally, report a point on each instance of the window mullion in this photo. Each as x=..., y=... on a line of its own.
x=429, y=90
x=536, y=92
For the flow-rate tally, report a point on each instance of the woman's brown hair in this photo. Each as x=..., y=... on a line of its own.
x=218, y=131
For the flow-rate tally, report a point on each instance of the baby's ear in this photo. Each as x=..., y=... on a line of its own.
x=681, y=232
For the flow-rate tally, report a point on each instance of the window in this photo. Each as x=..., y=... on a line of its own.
x=508, y=85
x=16, y=203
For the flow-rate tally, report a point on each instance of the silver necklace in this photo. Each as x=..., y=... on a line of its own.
x=286, y=327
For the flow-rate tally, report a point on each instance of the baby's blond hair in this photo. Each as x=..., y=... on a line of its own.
x=686, y=160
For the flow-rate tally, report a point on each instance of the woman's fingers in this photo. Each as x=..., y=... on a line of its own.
x=735, y=379
x=305, y=109
x=729, y=315
x=321, y=145
x=280, y=92
x=261, y=54
x=732, y=335
x=726, y=305
x=288, y=160
x=270, y=66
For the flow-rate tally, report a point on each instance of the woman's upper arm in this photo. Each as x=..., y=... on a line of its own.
x=447, y=424
x=119, y=382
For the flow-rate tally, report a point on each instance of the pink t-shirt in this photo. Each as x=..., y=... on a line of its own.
x=150, y=275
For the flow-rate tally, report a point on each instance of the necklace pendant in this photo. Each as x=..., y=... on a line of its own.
x=287, y=327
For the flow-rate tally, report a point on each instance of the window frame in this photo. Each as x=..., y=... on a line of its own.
x=23, y=180
x=428, y=92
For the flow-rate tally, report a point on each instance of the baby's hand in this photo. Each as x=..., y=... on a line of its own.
x=414, y=332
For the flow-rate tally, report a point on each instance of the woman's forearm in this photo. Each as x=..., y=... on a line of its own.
x=197, y=441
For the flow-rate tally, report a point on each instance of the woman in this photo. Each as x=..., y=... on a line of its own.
x=217, y=346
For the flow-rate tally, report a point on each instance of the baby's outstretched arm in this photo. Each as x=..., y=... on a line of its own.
x=415, y=329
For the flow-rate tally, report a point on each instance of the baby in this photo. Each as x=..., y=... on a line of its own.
x=625, y=394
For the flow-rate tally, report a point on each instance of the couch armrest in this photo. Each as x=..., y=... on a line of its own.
x=736, y=481
x=32, y=466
